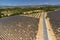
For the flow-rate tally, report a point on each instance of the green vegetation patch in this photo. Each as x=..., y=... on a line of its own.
x=20, y=10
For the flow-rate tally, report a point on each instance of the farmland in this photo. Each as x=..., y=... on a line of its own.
x=54, y=18
x=25, y=23
x=19, y=26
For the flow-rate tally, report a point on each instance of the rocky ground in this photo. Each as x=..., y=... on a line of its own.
x=19, y=27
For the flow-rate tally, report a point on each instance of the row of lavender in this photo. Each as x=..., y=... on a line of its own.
x=55, y=22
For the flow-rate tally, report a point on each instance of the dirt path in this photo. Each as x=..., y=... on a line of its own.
x=39, y=34
x=51, y=34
